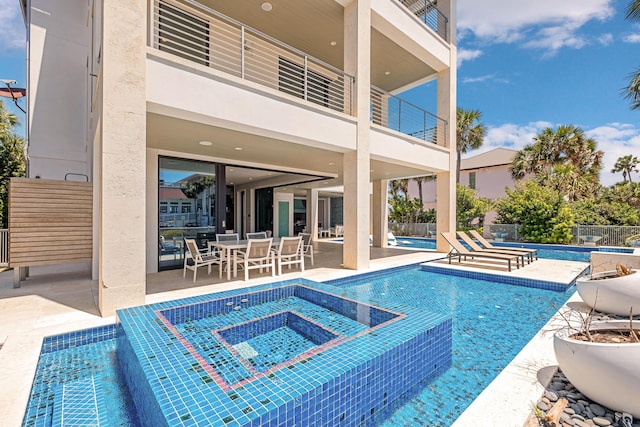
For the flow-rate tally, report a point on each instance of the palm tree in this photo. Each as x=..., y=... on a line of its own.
x=632, y=92
x=469, y=133
x=626, y=165
x=399, y=186
x=420, y=180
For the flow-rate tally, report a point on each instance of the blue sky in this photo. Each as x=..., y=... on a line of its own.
x=526, y=65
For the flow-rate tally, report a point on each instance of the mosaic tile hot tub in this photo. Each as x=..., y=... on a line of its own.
x=292, y=353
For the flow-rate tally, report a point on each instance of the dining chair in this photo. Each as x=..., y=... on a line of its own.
x=225, y=255
x=307, y=246
x=289, y=252
x=257, y=255
x=257, y=235
x=194, y=259
x=227, y=237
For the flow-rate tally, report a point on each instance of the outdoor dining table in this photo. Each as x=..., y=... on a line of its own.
x=229, y=251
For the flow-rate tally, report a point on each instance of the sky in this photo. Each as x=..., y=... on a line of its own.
x=525, y=65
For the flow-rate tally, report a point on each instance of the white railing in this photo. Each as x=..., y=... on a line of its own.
x=200, y=34
x=427, y=11
x=4, y=247
x=397, y=114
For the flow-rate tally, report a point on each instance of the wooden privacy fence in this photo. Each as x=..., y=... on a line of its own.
x=50, y=222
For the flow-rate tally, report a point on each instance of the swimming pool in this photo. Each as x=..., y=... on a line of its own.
x=486, y=317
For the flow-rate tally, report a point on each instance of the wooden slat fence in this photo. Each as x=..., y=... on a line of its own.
x=50, y=222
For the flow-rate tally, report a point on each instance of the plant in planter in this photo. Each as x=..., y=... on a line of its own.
x=602, y=360
x=616, y=291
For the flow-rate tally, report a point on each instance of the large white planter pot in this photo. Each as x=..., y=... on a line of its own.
x=615, y=295
x=609, y=374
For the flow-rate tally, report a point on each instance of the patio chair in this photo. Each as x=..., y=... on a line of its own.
x=289, y=252
x=168, y=248
x=531, y=253
x=227, y=237
x=337, y=231
x=256, y=235
x=477, y=248
x=307, y=246
x=458, y=250
x=194, y=259
x=257, y=255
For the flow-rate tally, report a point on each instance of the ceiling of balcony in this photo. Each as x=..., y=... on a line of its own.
x=304, y=166
x=313, y=26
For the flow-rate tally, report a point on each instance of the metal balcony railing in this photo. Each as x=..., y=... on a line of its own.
x=397, y=114
x=427, y=11
x=195, y=32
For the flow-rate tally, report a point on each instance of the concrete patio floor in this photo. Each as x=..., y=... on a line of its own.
x=58, y=299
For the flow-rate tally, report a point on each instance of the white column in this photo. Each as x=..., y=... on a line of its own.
x=356, y=164
x=312, y=213
x=446, y=182
x=380, y=213
x=122, y=236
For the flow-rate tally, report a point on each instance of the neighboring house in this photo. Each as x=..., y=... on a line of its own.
x=275, y=100
x=487, y=173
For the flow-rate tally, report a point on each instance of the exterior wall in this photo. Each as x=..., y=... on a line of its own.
x=58, y=95
x=490, y=182
x=388, y=145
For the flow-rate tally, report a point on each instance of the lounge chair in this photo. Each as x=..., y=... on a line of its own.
x=289, y=252
x=531, y=253
x=337, y=231
x=477, y=248
x=458, y=250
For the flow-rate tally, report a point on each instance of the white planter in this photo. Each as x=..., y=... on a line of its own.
x=609, y=374
x=615, y=295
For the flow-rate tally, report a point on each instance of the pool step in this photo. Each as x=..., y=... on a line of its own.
x=79, y=403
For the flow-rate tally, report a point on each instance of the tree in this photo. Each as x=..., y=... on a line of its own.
x=195, y=188
x=632, y=91
x=12, y=162
x=626, y=165
x=542, y=213
x=469, y=207
x=420, y=180
x=470, y=133
x=564, y=159
x=399, y=186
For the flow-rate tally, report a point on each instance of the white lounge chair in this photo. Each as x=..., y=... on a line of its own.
x=459, y=251
x=531, y=253
x=477, y=248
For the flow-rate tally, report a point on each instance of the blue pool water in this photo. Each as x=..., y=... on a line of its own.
x=491, y=323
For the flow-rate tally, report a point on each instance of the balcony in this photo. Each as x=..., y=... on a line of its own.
x=202, y=35
x=427, y=11
x=397, y=114
x=205, y=36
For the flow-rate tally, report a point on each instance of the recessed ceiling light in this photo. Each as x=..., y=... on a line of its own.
x=333, y=43
x=386, y=73
x=205, y=143
x=231, y=183
x=331, y=164
x=238, y=148
x=266, y=6
x=250, y=179
x=371, y=170
x=230, y=170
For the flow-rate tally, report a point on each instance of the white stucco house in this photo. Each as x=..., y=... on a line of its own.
x=271, y=101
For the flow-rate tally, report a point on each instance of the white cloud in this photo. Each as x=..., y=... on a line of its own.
x=543, y=24
x=632, y=38
x=486, y=78
x=12, y=30
x=614, y=139
x=465, y=55
x=605, y=39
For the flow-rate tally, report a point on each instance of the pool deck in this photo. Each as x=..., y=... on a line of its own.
x=58, y=299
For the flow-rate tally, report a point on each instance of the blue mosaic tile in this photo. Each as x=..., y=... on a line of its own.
x=80, y=403
x=351, y=362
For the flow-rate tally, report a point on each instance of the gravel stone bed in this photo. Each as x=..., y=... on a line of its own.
x=581, y=411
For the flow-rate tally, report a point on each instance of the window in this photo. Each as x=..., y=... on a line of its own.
x=186, y=208
x=472, y=180
x=163, y=207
